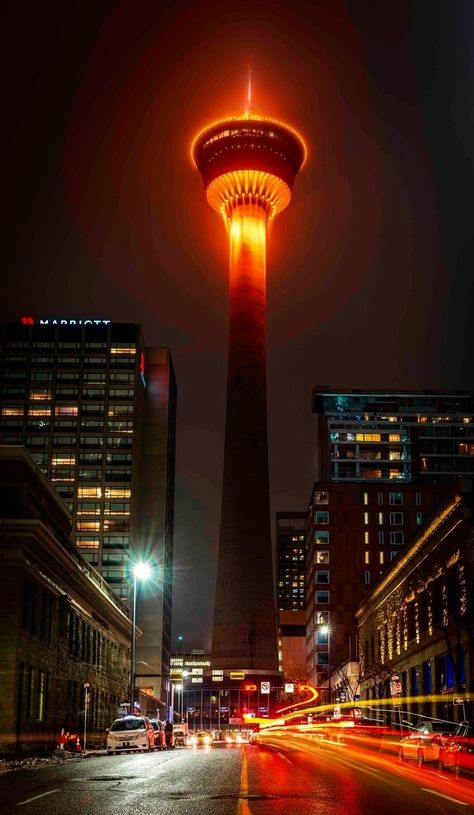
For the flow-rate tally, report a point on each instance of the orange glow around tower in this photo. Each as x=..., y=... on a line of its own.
x=248, y=164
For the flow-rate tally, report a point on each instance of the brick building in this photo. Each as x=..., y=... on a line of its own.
x=62, y=625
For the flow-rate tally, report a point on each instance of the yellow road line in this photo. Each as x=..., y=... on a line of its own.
x=243, y=808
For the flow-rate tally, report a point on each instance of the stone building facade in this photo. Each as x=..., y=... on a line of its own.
x=63, y=628
x=417, y=622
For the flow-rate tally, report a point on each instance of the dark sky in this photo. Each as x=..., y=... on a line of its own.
x=369, y=270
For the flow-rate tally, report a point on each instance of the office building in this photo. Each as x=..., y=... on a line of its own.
x=291, y=593
x=402, y=436
x=97, y=411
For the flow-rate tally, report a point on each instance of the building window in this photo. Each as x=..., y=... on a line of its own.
x=366, y=518
x=393, y=555
x=381, y=558
x=321, y=557
x=396, y=538
x=366, y=498
x=321, y=577
x=381, y=537
x=321, y=537
x=380, y=518
x=366, y=577
x=321, y=498
x=395, y=498
x=366, y=557
x=321, y=637
x=380, y=499
x=419, y=518
x=321, y=517
x=366, y=537
x=396, y=518
x=321, y=597
x=322, y=658
x=418, y=499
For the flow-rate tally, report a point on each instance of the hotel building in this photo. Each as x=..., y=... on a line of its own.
x=97, y=411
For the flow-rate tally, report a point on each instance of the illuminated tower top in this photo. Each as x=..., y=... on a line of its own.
x=248, y=158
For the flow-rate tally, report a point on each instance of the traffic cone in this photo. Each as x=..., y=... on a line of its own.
x=61, y=740
x=78, y=745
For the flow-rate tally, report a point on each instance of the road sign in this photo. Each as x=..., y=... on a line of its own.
x=357, y=697
x=342, y=696
x=458, y=701
x=289, y=687
x=264, y=687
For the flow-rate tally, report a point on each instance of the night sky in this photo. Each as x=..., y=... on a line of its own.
x=369, y=269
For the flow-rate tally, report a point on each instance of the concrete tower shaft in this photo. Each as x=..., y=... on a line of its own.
x=248, y=165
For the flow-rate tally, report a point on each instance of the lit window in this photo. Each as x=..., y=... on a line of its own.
x=394, y=455
x=321, y=538
x=366, y=557
x=86, y=542
x=89, y=492
x=321, y=517
x=44, y=410
x=321, y=498
x=366, y=537
x=13, y=410
x=117, y=492
x=123, y=348
x=368, y=437
x=366, y=498
x=394, y=437
x=88, y=526
x=366, y=518
x=380, y=518
x=60, y=459
x=321, y=557
x=381, y=557
x=40, y=395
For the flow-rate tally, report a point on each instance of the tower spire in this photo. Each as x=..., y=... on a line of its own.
x=249, y=90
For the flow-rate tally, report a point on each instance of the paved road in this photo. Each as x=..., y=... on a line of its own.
x=281, y=777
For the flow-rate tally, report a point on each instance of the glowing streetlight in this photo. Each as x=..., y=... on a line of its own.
x=141, y=571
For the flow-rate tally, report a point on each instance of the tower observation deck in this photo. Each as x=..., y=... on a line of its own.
x=248, y=164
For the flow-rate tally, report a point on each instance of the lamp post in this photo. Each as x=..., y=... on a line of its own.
x=86, y=706
x=140, y=571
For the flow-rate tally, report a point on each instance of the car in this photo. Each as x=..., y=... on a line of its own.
x=236, y=737
x=424, y=742
x=201, y=738
x=457, y=753
x=180, y=735
x=130, y=734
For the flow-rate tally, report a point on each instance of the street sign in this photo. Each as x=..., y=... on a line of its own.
x=342, y=696
x=458, y=701
x=264, y=687
x=289, y=687
x=357, y=697
x=237, y=674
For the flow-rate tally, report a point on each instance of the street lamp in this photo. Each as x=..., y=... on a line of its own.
x=180, y=640
x=86, y=705
x=140, y=571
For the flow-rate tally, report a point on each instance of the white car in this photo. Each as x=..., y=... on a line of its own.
x=132, y=733
x=425, y=742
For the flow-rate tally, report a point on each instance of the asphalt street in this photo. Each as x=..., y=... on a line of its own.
x=291, y=776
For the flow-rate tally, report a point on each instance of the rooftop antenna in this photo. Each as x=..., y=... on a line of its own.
x=249, y=92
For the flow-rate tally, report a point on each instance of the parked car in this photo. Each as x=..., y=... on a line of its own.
x=180, y=735
x=424, y=742
x=457, y=753
x=132, y=733
x=200, y=739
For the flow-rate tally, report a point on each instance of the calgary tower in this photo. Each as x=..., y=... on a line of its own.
x=248, y=164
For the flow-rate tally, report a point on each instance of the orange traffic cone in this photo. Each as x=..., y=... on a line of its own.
x=62, y=740
x=78, y=745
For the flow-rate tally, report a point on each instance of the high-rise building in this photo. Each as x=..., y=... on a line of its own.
x=291, y=560
x=354, y=533
x=248, y=164
x=97, y=411
x=425, y=436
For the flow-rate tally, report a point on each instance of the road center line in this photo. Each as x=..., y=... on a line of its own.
x=243, y=808
x=448, y=797
x=28, y=800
